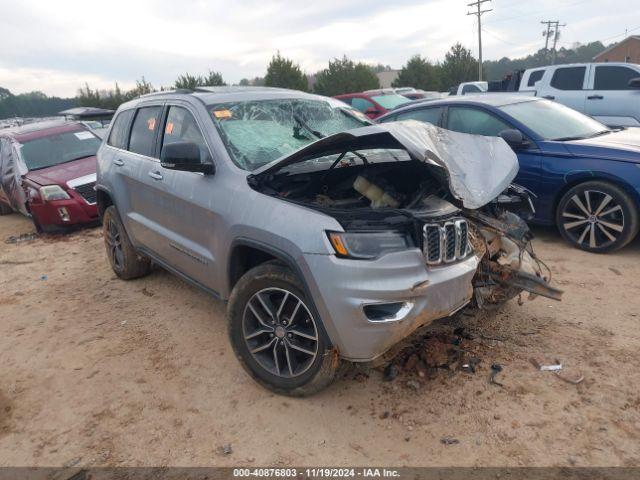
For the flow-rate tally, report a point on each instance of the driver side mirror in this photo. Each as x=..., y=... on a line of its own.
x=184, y=156
x=634, y=82
x=514, y=138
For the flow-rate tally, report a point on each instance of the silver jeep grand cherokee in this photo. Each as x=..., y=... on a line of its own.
x=329, y=237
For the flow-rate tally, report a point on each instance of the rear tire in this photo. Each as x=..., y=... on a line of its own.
x=597, y=217
x=125, y=261
x=277, y=339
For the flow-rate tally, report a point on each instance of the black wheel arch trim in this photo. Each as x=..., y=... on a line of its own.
x=291, y=263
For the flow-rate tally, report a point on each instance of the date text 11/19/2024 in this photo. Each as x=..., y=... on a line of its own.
x=320, y=472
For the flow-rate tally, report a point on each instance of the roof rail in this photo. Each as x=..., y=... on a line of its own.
x=163, y=92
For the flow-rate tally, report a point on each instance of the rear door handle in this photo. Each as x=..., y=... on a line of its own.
x=595, y=97
x=549, y=97
x=118, y=162
x=155, y=175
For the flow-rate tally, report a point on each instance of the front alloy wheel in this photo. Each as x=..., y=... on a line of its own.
x=276, y=336
x=597, y=217
x=114, y=244
x=280, y=332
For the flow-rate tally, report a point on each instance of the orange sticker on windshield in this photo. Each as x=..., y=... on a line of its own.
x=222, y=113
x=151, y=123
x=169, y=129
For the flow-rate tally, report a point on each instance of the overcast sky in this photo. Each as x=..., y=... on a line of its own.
x=56, y=46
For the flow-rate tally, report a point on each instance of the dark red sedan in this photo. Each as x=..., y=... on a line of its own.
x=48, y=172
x=374, y=103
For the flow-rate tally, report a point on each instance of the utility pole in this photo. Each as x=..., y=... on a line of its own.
x=553, y=29
x=479, y=13
x=546, y=36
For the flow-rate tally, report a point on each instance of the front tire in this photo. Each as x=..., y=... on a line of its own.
x=125, y=261
x=597, y=217
x=275, y=335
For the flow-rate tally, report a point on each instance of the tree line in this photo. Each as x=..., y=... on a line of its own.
x=342, y=75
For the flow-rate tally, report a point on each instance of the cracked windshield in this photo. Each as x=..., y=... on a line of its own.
x=258, y=132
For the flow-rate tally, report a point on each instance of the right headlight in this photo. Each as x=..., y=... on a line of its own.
x=53, y=192
x=368, y=245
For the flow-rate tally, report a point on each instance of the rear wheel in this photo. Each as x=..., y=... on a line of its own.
x=275, y=335
x=597, y=217
x=125, y=261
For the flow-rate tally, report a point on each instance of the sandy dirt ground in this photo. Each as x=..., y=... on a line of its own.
x=97, y=371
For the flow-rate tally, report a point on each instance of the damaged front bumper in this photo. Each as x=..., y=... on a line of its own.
x=367, y=307
x=508, y=264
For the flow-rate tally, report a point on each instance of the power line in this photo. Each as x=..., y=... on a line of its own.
x=536, y=13
x=621, y=34
x=479, y=13
x=498, y=37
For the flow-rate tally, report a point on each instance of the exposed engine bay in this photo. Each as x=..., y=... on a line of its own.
x=389, y=189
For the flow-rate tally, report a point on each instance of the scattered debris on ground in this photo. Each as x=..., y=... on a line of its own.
x=23, y=238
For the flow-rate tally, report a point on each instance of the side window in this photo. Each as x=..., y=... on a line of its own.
x=534, y=77
x=614, y=78
x=120, y=130
x=361, y=104
x=182, y=127
x=477, y=122
x=427, y=115
x=143, y=132
x=568, y=78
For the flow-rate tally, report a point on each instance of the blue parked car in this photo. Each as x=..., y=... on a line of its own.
x=586, y=176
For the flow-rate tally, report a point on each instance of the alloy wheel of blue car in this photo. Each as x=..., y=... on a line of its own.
x=597, y=217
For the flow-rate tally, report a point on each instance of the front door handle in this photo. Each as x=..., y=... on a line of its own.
x=549, y=97
x=155, y=175
x=595, y=97
x=118, y=162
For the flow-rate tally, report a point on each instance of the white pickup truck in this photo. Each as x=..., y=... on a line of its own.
x=609, y=92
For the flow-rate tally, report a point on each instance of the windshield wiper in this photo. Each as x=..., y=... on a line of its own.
x=581, y=137
x=601, y=132
x=306, y=126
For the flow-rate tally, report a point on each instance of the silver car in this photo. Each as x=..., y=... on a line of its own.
x=330, y=238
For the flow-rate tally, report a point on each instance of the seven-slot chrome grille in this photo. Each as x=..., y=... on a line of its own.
x=446, y=242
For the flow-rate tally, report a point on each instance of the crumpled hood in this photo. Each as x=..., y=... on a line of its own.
x=61, y=174
x=623, y=145
x=478, y=168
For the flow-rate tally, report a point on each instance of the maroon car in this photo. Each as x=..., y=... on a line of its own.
x=48, y=172
x=373, y=103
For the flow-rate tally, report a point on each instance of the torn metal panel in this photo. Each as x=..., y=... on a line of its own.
x=12, y=168
x=508, y=264
x=478, y=168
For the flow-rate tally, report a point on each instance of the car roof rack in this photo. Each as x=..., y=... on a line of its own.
x=164, y=92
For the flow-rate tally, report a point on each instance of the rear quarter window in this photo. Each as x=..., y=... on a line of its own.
x=120, y=130
x=534, y=77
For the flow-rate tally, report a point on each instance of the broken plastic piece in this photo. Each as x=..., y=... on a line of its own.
x=546, y=368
